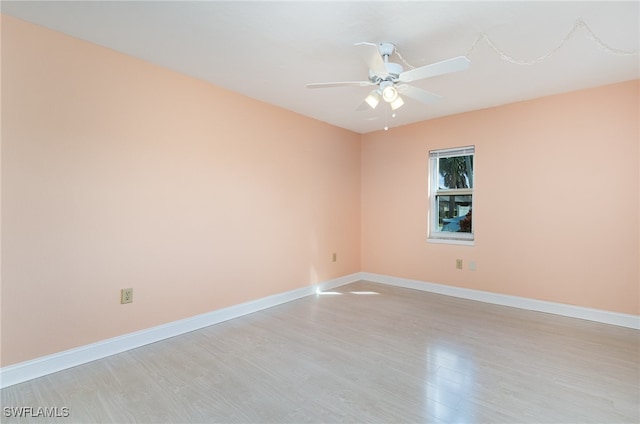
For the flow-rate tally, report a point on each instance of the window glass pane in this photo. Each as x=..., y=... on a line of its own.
x=454, y=213
x=455, y=172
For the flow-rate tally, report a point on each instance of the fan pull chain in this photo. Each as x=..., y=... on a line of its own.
x=578, y=25
x=386, y=119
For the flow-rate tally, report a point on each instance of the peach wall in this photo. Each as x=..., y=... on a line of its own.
x=118, y=173
x=556, y=206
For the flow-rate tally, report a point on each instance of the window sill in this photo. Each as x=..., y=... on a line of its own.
x=451, y=241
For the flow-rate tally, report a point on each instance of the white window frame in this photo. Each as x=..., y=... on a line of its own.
x=435, y=235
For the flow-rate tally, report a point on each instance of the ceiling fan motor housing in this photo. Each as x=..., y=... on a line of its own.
x=393, y=70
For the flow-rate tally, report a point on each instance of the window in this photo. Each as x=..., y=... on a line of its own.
x=451, y=194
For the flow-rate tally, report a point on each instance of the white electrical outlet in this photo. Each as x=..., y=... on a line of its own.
x=458, y=263
x=126, y=296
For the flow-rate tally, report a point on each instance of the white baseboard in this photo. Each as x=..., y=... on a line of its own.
x=606, y=317
x=23, y=371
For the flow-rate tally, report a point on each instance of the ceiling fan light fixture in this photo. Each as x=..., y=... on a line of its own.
x=397, y=103
x=373, y=99
x=389, y=94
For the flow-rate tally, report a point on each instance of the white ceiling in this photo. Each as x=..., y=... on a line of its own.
x=270, y=50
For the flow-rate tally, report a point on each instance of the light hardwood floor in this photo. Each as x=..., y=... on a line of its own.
x=365, y=353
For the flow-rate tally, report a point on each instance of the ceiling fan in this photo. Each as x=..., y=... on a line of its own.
x=390, y=78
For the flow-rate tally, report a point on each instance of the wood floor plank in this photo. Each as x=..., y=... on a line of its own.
x=366, y=353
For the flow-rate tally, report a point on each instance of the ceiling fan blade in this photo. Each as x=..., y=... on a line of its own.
x=418, y=94
x=341, y=84
x=455, y=64
x=371, y=55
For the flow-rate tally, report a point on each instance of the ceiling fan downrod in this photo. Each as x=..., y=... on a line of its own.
x=393, y=69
